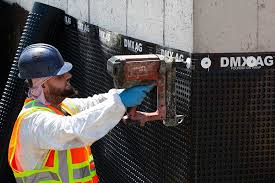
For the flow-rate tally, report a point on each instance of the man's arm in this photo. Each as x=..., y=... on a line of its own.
x=85, y=103
x=51, y=131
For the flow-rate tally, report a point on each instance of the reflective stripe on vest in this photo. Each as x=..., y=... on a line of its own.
x=38, y=177
x=72, y=165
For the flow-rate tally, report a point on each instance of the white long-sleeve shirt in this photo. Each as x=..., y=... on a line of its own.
x=44, y=130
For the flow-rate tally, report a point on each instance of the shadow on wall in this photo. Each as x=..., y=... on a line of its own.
x=12, y=18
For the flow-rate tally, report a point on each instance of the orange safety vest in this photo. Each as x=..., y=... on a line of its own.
x=74, y=165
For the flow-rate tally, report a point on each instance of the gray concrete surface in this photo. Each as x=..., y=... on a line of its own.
x=225, y=26
x=79, y=9
x=234, y=25
x=266, y=25
x=145, y=19
x=191, y=25
x=178, y=24
x=109, y=14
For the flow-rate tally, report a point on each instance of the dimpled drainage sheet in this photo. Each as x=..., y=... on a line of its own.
x=43, y=24
x=154, y=153
x=233, y=120
x=230, y=137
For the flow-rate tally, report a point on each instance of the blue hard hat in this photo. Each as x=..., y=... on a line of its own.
x=41, y=60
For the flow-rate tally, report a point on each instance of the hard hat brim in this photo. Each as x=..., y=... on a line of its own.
x=65, y=68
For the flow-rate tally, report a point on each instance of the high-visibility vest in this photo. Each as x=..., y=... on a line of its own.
x=74, y=165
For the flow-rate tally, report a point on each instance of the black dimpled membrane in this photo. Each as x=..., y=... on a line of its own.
x=44, y=24
x=228, y=135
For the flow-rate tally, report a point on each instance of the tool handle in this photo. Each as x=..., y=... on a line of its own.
x=138, y=117
x=132, y=112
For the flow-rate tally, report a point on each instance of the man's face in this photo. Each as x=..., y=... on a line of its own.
x=59, y=86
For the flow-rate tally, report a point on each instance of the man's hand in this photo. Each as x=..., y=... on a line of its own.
x=132, y=97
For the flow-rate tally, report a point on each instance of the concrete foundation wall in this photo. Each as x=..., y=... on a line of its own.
x=165, y=22
x=190, y=25
x=234, y=25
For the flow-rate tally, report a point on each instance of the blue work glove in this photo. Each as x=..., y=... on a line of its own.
x=132, y=97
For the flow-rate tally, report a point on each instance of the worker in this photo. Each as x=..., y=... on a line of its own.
x=53, y=133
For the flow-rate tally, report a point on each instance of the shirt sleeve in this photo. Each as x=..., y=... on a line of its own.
x=85, y=103
x=51, y=131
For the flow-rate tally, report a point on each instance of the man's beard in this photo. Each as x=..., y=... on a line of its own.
x=68, y=92
x=58, y=95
